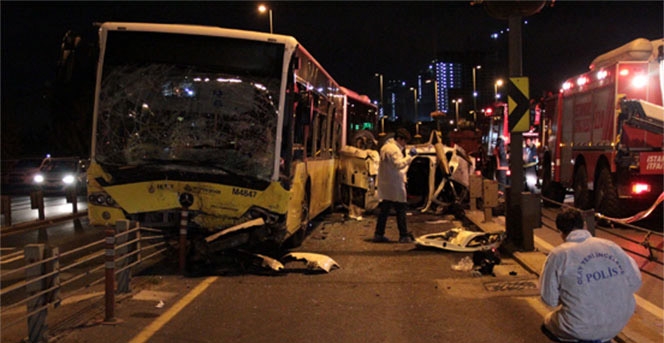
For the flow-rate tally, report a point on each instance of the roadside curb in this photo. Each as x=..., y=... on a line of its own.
x=533, y=261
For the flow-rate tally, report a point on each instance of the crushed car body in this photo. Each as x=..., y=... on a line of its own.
x=438, y=178
x=461, y=240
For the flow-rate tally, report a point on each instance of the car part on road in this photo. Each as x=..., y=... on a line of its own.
x=313, y=261
x=461, y=240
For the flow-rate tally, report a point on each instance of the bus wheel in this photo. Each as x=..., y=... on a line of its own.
x=581, y=192
x=606, y=195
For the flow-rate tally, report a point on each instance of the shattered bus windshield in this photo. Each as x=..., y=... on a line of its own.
x=182, y=101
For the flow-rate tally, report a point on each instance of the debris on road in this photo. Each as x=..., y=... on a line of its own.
x=461, y=240
x=313, y=261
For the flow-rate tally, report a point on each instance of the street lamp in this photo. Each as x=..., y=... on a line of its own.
x=382, y=127
x=262, y=9
x=498, y=83
x=475, y=86
x=456, y=105
x=415, y=101
x=380, y=78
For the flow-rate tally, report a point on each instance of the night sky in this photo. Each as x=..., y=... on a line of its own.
x=352, y=40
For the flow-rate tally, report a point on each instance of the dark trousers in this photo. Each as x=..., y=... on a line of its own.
x=501, y=177
x=400, y=208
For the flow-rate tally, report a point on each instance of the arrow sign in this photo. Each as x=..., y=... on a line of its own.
x=518, y=104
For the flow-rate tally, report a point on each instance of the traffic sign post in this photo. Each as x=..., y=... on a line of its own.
x=518, y=104
x=519, y=233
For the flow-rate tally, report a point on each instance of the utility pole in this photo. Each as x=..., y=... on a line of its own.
x=519, y=235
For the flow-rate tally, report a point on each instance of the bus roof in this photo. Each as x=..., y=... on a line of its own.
x=354, y=95
x=200, y=30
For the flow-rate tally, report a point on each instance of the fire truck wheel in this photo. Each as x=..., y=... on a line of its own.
x=606, y=195
x=581, y=192
x=554, y=191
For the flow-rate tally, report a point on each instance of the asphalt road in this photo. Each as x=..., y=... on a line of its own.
x=387, y=292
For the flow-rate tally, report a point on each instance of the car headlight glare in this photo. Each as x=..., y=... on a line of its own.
x=39, y=178
x=68, y=180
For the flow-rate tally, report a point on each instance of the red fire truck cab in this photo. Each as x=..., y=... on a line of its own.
x=606, y=131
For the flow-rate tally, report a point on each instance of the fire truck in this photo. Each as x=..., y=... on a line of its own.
x=604, y=132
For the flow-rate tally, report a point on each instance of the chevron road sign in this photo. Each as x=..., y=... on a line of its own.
x=518, y=104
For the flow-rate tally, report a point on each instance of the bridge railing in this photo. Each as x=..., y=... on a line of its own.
x=124, y=247
x=9, y=226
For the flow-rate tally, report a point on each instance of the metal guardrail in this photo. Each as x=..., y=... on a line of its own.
x=37, y=203
x=123, y=248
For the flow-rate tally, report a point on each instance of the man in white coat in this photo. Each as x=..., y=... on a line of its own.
x=591, y=281
x=392, y=185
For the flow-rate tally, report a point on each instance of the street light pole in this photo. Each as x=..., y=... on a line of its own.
x=262, y=9
x=498, y=83
x=415, y=102
x=475, y=86
x=456, y=105
x=380, y=78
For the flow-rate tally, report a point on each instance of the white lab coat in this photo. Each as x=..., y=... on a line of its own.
x=392, y=172
x=592, y=281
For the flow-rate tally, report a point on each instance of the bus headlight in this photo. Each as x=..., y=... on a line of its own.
x=101, y=199
x=39, y=178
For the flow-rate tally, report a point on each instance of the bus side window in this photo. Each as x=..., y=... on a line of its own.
x=301, y=124
x=302, y=117
x=315, y=142
x=336, y=134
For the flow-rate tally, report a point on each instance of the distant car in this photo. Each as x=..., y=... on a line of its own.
x=57, y=175
x=19, y=173
x=5, y=169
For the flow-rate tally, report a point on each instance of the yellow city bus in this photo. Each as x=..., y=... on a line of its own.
x=223, y=133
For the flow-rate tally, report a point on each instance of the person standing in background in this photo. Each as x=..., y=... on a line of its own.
x=392, y=185
x=502, y=163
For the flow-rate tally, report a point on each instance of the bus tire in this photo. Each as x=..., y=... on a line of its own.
x=581, y=191
x=606, y=195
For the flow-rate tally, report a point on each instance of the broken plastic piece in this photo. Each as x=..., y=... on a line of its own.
x=313, y=261
x=245, y=225
x=464, y=265
x=269, y=262
x=459, y=239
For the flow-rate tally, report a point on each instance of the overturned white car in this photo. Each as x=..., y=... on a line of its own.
x=438, y=177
